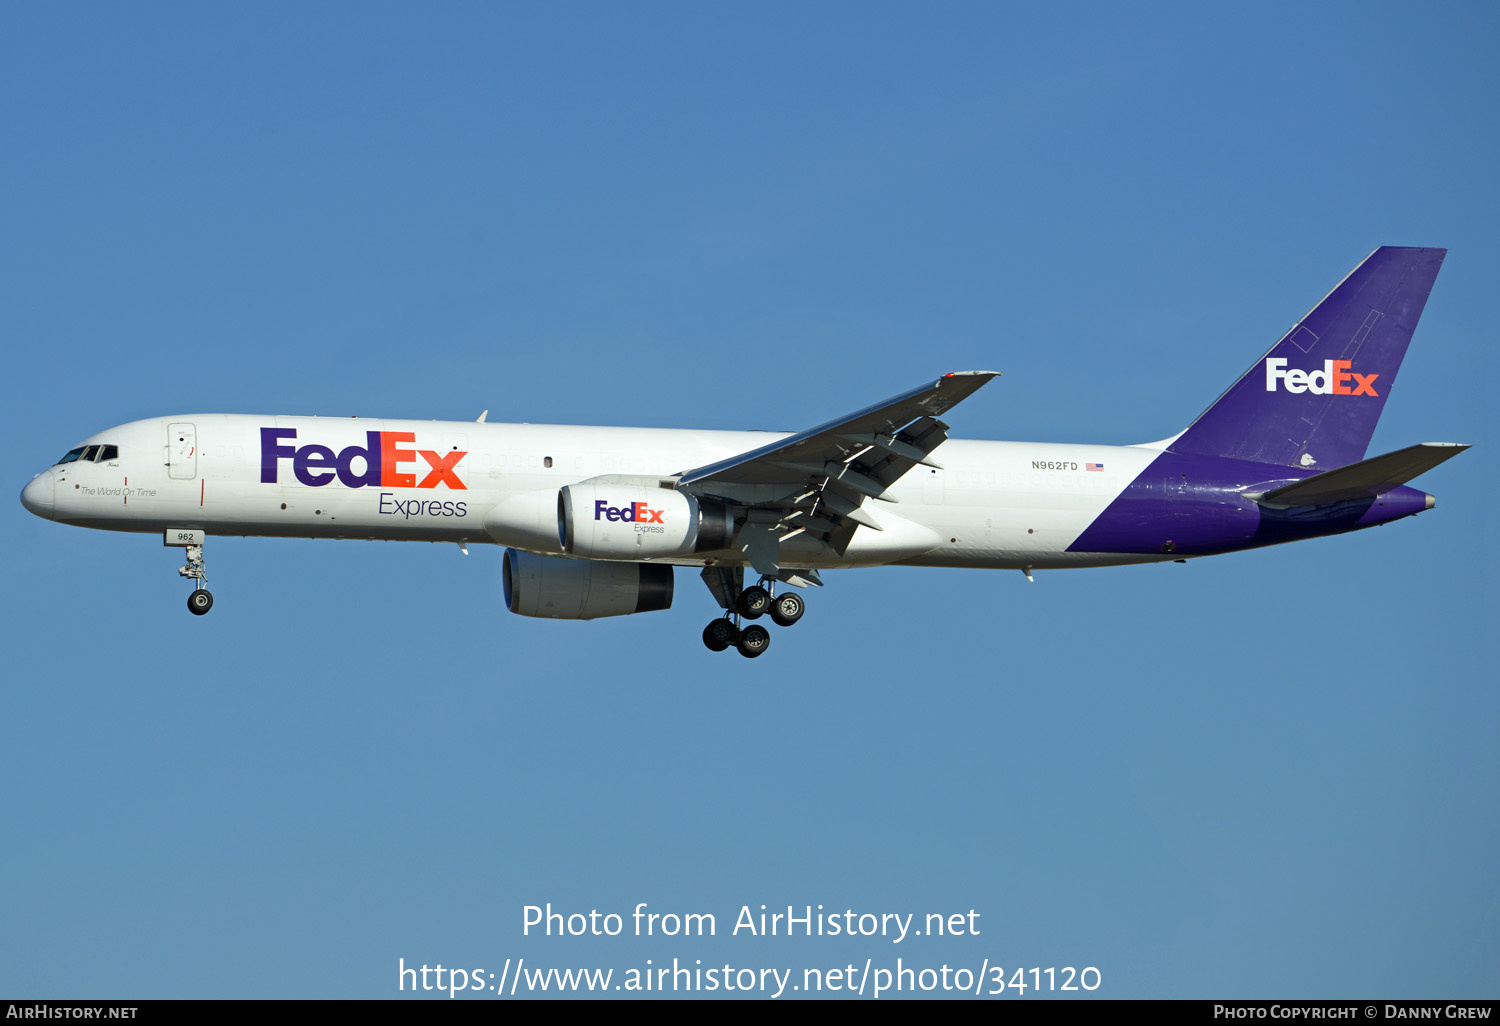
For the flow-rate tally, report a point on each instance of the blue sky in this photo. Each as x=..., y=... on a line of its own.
x=1269, y=774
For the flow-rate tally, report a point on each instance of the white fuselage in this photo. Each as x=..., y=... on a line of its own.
x=994, y=504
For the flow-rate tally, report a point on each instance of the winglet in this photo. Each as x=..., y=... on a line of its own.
x=480, y=419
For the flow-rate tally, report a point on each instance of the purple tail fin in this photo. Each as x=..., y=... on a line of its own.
x=1313, y=400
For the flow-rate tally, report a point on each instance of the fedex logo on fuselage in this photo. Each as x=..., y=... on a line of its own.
x=382, y=455
x=1334, y=379
x=635, y=513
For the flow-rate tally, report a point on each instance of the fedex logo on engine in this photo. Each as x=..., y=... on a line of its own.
x=382, y=457
x=635, y=513
x=1334, y=379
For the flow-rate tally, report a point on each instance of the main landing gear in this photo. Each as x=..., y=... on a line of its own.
x=751, y=604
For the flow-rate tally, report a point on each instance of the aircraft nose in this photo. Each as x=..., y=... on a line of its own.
x=37, y=496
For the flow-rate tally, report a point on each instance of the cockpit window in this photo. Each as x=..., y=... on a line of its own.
x=91, y=454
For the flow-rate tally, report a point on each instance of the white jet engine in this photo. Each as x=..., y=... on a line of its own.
x=577, y=589
x=635, y=521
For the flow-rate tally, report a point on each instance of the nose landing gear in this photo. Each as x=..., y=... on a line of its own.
x=200, y=600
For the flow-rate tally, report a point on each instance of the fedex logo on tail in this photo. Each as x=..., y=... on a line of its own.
x=382, y=455
x=635, y=513
x=1334, y=379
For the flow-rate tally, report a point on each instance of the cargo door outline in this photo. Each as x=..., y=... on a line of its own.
x=182, y=451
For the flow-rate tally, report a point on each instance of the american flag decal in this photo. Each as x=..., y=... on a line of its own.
x=1093, y=466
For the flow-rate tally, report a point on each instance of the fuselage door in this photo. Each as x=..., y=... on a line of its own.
x=182, y=451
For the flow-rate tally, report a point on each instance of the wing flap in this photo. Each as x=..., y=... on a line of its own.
x=816, y=481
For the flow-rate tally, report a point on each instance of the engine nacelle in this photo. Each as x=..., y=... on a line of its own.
x=631, y=521
x=577, y=589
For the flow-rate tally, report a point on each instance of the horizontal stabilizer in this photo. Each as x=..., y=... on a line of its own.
x=1363, y=479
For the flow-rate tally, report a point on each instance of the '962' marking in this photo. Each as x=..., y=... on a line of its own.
x=1053, y=465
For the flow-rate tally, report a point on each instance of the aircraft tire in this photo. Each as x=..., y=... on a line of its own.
x=754, y=640
x=787, y=609
x=200, y=601
x=754, y=601
x=720, y=634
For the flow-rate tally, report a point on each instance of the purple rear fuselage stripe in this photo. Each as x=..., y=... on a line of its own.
x=1192, y=505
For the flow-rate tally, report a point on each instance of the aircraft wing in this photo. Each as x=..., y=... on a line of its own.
x=817, y=480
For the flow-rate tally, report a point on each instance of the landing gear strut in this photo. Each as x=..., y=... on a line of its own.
x=750, y=603
x=200, y=600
